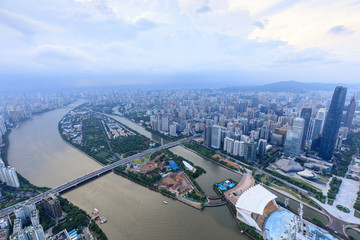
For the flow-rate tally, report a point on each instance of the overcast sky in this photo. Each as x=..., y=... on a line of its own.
x=239, y=42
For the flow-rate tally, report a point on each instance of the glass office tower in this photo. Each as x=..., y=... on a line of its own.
x=332, y=123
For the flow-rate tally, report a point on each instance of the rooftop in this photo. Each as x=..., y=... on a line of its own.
x=288, y=165
x=255, y=199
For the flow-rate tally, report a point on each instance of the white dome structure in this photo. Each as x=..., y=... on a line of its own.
x=254, y=205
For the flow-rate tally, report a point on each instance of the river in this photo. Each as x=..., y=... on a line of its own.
x=134, y=212
x=39, y=154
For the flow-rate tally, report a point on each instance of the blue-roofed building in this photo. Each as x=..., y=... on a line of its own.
x=173, y=165
x=73, y=234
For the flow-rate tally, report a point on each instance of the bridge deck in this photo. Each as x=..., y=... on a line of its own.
x=215, y=204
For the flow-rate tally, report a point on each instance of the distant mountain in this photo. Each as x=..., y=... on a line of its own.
x=287, y=86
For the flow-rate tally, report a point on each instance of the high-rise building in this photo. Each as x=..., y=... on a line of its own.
x=242, y=149
x=165, y=123
x=245, y=138
x=316, y=128
x=52, y=206
x=230, y=145
x=2, y=171
x=25, y=212
x=29, y=233
x=265, y=133
x=154, y=124
x=2, y=126
x=294, y=137
x=159, y=123
x=350, y=112
x=254, y=135
x=282, y=132
x=332, y=123
x=8, y=175
x=262, y=147
x=11, y=178
x=321, y=114
x=241, y=106
x=34, y=218
x=276, y=139
x=39, y=233
x=306, y=115
x=173, y=130
x=236, y=148
x=207, y=136
x=215, y=136
x=250, y=151
x=226, y=139
x=17, y=228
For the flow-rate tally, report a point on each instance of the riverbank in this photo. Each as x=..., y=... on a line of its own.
x=189, y=203
x=212, y=160
x=26, y=186
x=151, y=131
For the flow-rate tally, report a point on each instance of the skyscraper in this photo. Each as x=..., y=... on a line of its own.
x=306, y=115
x=294, y=138
x=29, y=233
x=250, y=151
x=236, y=148
x=2, y=126
x=316, y=128
x=2, y=171
x=215, y=136
x=350, y=112
x=24, y=213
x=173, y=130
x=52, y=206
x=332, y=123
x=321, y=114
x=262, y=147
x=11, y=177
x=207, y=136
x=165, y=123
x=242, y=149
x=230, y=145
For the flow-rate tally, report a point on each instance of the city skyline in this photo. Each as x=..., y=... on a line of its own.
x=146, y=135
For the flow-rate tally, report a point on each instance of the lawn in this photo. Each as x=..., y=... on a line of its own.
x=102, y=154
x=323, y=179
x=288, y=191
x=305, y=183
x=139, y=161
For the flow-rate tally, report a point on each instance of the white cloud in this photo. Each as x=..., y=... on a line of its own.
x=306, y=24
x=254, y=7
x=61, y=53
x=24, y=25
x=112, y=36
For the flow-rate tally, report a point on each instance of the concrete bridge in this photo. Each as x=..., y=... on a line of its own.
x=74, y=183
x=215, y=204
